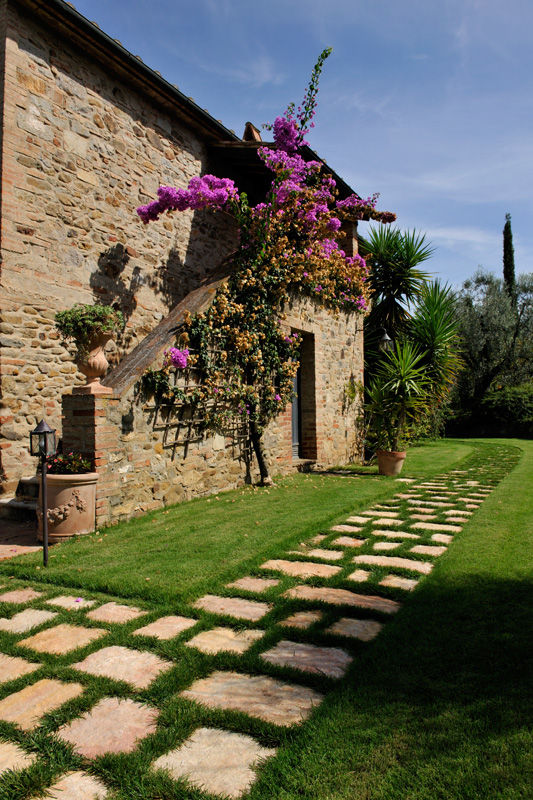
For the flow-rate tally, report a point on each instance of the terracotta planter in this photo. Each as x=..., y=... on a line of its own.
x=71, y=506
x=94, y=367
x=390, y=462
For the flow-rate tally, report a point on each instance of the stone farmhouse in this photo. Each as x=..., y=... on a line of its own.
x=89, y=133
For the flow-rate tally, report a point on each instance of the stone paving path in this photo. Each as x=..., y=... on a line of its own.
x=117, y=660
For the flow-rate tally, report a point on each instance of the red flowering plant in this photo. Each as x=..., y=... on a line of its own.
x=68, y=464
x=287, y=247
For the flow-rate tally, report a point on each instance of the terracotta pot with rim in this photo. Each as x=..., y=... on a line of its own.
x=390, y=462
x=71, y=506
x=95, y=365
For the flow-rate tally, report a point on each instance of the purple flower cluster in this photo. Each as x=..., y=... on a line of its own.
x=207, y=191
x=286, y=134
x=178, y=358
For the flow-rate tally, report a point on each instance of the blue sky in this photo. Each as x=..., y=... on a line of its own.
x=429, y=102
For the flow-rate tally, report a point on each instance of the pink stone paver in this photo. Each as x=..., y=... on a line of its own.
x=77, y=786
x=428, y=550
x=233, y=607
x=329, y=661
x=430, y=503
x=423, y=517
x=347, y=528
x=318, y=538
x=250, y=584
x=436, y=526
x=19, y=596
x=26, y=707
x=459, y=520
x=363, y=629
x=396, y=534
x=327, y=555
x=472, y=506
x=12, y=667
x=70, y=602
x=386, y=545
x=216, y=761
x=359, y=576
x=343, y=597
x=301, y=569
x=166, y=627
x=112, y=726
x=455, y=512
x=62, y=638
x=358, y=520
x=396, y=582
x=278, y=702
x=349, y=541
x=26, y=620
x=218, y=640
x=13, y=757
x=139, y=668
x=386, y=521
x=115, y=612
x=424, y=567
x=443, y=538
x=390, y=514
x=302, y=619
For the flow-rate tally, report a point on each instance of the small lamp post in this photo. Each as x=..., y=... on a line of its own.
x=43, y=445
x=385, y=342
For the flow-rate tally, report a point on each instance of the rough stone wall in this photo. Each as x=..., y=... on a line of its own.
x=138, y=473
x=80, y=152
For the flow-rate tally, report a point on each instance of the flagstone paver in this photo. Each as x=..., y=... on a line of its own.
x=460, y=520
x=443, y=538
x=428, y=550
x=363, y=629
x=359, y=576
x=301, y=569
x=19, y=596
x=386, y=521
x=405, y=480
x=472, y=506
x=237, y=607
x=115, y=612
x=250, y=584
x=436, y=526
x=456, y=512
x=430, y=503
x=386, y=545
x=390, y=514
x=26, y=707
x=71, y=603
x=77, y=786
x=423, y=517
x=26, y=620
x=347, y=528
x=278, y=702
x=14, y=757
x=343, y=597
x=397, y=582
x=396, y=534
x=330, y=661
x=349, y=541
x=62, y=638
x=327, y=555
x=137, y=667
x=12, y=667
x=166, y=627
x=358, y=520
x=302, y=619
x=469, y=500
x=114, y=725
x=318, y=538
x=424, y=567
x=216, y=761
x=218, y=640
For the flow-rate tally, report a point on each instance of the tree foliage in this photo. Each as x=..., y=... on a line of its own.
x=508, y=260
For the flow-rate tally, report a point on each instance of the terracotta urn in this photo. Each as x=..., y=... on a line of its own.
x=390, y=462
x=71, y=506
x=95, y=365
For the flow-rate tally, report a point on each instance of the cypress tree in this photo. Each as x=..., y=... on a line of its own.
x=508, y=260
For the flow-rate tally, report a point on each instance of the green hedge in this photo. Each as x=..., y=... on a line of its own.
x=503, y=412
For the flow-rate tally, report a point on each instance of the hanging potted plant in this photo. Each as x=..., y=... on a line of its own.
x=90, y=327
x=397, y=396
x=71, y=497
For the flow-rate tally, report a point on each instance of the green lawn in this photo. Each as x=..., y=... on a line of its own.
x=438, y=707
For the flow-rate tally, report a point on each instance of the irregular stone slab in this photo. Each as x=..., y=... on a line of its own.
x=349, y=541
x=330, y=661
x=216, y=761
x=436, y=526
x=396, y=534
x=274, y=701
x=77, y=786
x=392, y=506
x=327, y=555
x=460, y=520
x=343, y=597
x=70, y=602
x=302, y=619
x=62, y=639
x=26, y=620
x=115, y=612
x=423, y=517
x=438, y=497
x=387, y=521
x=13, y=757
x=444, y=538
x=250, y=584
x=407, y=496
x=363, y=629
x=424, y=567
x=166, y=627
x=396, y=582
x=318, y=538
x=301, y=569
x=358, y=520
x=19, y=596
x=359, y=576
x=25, y=708
x=386, y=545
x=112, y=726
x=472, y=483
x=348, y=528
x=472, y=506
x=233, y=606
x=456, y=512
x=139, y=668
x=469, y=500
x=12, y=668
x=428, y=550
x=390, y=514
x=430, y=503
x=224, y=639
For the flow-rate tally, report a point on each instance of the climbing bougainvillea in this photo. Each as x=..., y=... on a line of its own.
x=287, y=246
